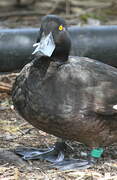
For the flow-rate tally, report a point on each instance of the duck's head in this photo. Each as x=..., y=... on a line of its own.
x=53, y=40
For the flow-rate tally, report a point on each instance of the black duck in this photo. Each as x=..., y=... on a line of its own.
x=72, y=98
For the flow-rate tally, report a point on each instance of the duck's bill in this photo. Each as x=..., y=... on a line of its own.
x=45, y=47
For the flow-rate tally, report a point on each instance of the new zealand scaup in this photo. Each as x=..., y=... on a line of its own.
x=72, y=98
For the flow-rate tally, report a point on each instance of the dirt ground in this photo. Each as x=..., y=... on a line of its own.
x=14, y=131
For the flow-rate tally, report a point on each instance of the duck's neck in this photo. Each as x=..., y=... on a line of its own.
x=60, y=58
x=61, y=53
x=42, y=64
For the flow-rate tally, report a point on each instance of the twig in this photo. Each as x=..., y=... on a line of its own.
x=67, y=7
x=23, y=13
x=19, y=3
x=53, y=8
x=5, y=87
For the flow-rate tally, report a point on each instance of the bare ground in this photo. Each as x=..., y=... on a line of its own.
x=14, y=131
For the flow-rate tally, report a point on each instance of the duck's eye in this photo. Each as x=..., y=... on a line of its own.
x=60, y=28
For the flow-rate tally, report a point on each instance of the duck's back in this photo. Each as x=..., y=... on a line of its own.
x=81, y=84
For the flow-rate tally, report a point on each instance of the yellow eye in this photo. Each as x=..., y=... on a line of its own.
x=60, y=28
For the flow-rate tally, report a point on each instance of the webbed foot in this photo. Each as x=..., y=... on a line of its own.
x=54, y=154
x=69, y=164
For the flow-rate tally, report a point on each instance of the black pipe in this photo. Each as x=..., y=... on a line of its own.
x=16, y=45
x=98, y=43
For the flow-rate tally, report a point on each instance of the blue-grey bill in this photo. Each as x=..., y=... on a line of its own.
x=45, y=47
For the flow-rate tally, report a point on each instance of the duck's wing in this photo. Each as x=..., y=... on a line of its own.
x=99, y=82
x=105, y=98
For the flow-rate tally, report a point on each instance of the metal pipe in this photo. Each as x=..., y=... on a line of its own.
x=16, y=45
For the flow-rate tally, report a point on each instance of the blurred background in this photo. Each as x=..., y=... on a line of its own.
x=14, y=131
x=25, y=13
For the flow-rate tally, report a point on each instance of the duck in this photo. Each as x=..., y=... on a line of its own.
x=70, y=97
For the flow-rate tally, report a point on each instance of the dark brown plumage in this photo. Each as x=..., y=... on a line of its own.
x=73, y=98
